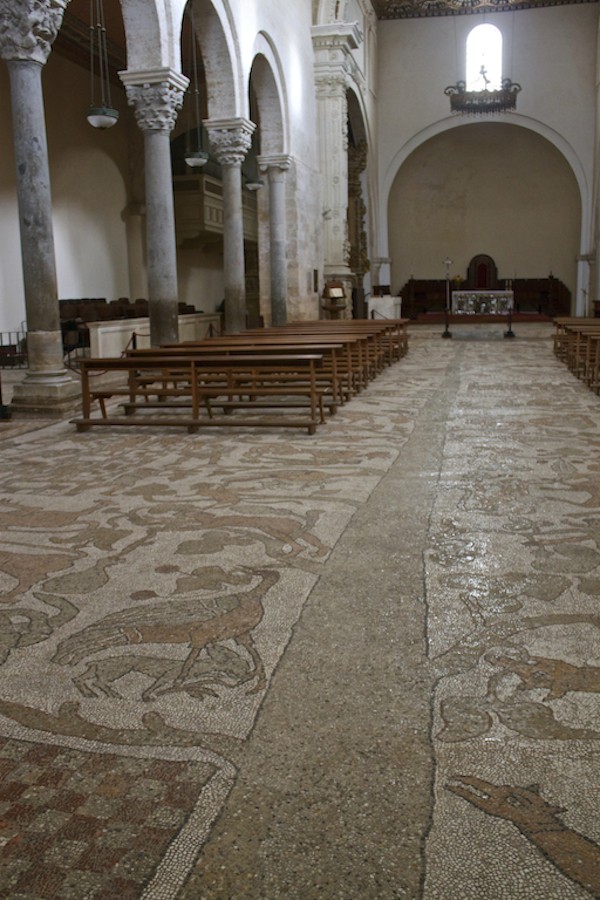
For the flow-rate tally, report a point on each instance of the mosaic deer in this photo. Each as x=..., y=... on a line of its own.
x=187, y=622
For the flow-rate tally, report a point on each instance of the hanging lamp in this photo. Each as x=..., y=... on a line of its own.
x=100, y=115
x=195, y=158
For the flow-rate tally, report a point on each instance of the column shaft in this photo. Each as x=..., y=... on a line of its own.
x=160, y=240
x=156, y=97
x=276, y=168
x=233, y=249
x=47, y=385
x=230, y=140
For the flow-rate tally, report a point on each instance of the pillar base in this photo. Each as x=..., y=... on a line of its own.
x=46, y=395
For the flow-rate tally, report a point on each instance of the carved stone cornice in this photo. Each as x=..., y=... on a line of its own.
x=156, y=96
x=333, y=45
x=411, y=9
x=28, y=29
x=230, y=139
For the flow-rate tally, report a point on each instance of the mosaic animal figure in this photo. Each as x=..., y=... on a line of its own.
x=231, y=617
x=218, y=666
x=554, y=675
x=575, y=855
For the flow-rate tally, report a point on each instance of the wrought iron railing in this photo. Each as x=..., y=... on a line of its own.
x=13, y=349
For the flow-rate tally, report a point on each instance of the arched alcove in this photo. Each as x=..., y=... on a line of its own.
x=268, y=111
x=485, y=186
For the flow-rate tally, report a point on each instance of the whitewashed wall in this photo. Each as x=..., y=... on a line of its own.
x=92, y=180
x=88, y=174
x=551, y=52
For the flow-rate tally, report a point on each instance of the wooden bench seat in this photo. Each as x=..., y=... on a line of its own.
x=176, y=382
x=331, y=375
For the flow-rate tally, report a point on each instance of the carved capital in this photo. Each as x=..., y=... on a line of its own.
x=279, y=161
x=28, y=28
x=155, y=105
x=230, y=139
x=332, y=84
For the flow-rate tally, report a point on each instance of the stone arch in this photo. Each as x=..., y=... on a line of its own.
x=151, y=35
x=266, y=80
x=219, y=47
x=552, y=136
x=326, y=11
x=562, y=145
x=360, y=199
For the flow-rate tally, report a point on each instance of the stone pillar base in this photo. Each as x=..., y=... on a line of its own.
x=46, y=395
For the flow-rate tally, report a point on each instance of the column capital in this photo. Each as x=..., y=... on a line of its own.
x=156, y=96
x=230, y=139
x=28, y=29
x=274, y=161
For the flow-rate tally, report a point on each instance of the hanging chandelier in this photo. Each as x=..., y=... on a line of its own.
x=478, y=103
x=100, y=114
x=195, y=157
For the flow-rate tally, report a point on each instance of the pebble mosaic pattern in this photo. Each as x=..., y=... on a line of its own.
x=144, y=611
x=150, y=583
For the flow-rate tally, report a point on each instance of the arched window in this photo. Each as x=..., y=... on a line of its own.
x=484, y=58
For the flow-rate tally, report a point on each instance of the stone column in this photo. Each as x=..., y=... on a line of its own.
x=28, y=31
x=276, y=167
x=133, y=216
x=156, y=97
x=230, y=140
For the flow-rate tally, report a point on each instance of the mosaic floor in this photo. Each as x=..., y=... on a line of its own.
x=359, y=664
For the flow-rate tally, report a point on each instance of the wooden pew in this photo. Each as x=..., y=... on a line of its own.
x=332, y=376
x=562, y=327
x=181, y=384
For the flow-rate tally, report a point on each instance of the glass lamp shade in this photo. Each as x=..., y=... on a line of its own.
x=254, y=185
x=196, y=158
x=102, y=116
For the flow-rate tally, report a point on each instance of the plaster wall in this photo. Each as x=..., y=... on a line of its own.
x=287, y=30
x=551, y=52
x=489, y=188
x=88, y=175
x=95, y=175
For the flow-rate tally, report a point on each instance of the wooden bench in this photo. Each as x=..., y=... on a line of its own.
x=330, y=375
x=573, y=345
x=183, y=384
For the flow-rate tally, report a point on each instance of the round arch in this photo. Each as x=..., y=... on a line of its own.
x=219, y=46
x=549, y=134
x=267, y=82
x=151, y=36
x=437, y=128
